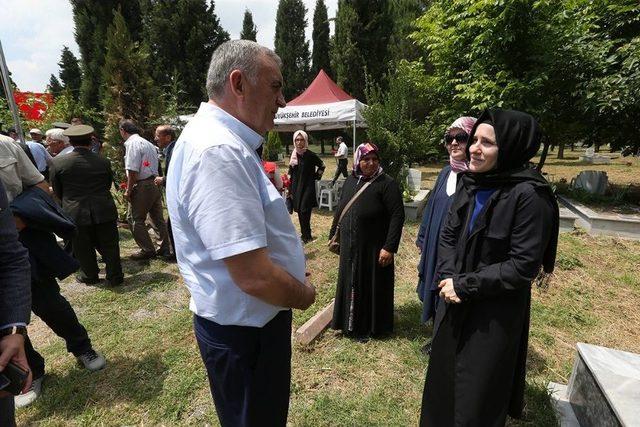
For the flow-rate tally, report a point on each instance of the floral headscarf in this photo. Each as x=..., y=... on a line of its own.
x=361, y=151
x=293, y=161
x=466, y=124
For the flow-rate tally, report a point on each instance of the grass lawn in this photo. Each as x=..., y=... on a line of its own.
x=154, y=375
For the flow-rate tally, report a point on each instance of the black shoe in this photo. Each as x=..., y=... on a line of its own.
x=142, y=255
x=87, y=280
x=113, y=283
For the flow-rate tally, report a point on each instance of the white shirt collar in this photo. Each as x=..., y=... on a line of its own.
x=248, y=135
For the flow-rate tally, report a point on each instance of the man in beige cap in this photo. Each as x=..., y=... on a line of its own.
x=82, y=180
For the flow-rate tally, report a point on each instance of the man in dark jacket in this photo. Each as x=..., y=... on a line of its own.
x=82, y=180
x=15, y=302
x=165, y=139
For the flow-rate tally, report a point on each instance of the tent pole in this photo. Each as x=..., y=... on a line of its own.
x=354, y=136
x=9, y=94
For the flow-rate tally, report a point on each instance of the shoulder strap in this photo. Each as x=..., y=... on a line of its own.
x=355, y=196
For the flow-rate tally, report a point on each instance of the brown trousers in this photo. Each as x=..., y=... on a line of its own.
x=146, y=199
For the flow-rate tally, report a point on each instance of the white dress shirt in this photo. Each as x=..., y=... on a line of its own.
x=342, y=151
x=140, y=156
x=221, y=204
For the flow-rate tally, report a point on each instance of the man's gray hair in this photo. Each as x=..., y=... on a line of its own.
x=129, y=126
x=243, y=55
x=57, y=135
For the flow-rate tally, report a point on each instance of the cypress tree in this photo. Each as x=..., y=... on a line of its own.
x=291, y=46
x=182, y=35
x=361, y=45
x=128, y=86
x=92, y=18
x=320, y=37
x=70, y=73
x=249, y=30
x=54, y=87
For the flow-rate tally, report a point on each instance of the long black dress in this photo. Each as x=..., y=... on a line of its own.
x=364, y=293
x=303, y=177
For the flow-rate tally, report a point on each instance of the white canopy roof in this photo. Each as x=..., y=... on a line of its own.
x=332, y=115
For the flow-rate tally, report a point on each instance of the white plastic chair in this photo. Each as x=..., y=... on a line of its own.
x=328, y=198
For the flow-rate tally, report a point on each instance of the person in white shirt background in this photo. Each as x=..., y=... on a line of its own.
x=341, y=156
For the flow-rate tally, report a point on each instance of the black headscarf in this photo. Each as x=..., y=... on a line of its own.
x=518, y=137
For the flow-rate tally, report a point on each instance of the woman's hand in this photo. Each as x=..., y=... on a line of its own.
x=385, y=258
x=448, y=292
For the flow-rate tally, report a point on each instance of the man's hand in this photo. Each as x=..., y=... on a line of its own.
x=385, y=258
x=12, y=350
x=309, y=294
x=159, y=181
x=448, y=292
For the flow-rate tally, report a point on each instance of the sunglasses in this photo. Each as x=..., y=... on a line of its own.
x=460, y=137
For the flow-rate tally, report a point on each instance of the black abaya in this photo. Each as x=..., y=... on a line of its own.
x=364, y=293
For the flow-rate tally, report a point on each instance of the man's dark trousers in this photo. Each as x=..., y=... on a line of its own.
x=103, y=237
x=249, y=370
x=342, y=169
x=7, y=412
x=54, y=310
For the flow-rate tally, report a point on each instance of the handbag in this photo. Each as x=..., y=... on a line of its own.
x=334, y=243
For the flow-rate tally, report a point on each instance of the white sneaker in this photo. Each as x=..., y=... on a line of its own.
x=92, y=360
x=29, y=396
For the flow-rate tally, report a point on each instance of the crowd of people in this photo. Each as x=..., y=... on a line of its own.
x=488, y=232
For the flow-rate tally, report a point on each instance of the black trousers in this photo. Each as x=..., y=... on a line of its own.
x=7, y=412
x=249, y=370
x=105, y=239
x=305, y=224
x=342, y=169
x=54, y=310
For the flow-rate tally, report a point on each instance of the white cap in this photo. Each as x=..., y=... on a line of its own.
x=36, y=131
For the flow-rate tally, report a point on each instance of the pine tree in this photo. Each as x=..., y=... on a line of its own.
x=291, y=46
x=361, y=44
x=182, y=35
x=70, y=73
x=320, y=37
x=54, y=87
x=249, y=30
x=92, y=19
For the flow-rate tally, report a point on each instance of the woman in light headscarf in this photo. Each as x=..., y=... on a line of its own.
x=370, y=234
x=500, y=236
x=305, y=167
x=455, y=141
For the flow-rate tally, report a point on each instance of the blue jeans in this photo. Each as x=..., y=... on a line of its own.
x=249, y=370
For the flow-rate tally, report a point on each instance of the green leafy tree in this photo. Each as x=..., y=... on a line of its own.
x=129, y=90
x=396, y=124
x=291, y=46
x=249, y=30
x=182, y=35
x=320, y=36
x=54, y=87
x=92, y=18
x=70, y=73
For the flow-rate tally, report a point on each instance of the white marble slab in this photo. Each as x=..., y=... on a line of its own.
x=564, y=411
x=618, y=376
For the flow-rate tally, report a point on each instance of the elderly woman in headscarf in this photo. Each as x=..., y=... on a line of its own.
x=500, y=236
x=305, y=167
x=455, y=141
x=369, y=237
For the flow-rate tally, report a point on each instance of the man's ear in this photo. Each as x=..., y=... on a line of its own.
x=237, y=82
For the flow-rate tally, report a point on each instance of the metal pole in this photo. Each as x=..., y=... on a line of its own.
x=8, y=91
x=354, y=135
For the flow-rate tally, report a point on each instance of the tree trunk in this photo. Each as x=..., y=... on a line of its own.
x=561, y=150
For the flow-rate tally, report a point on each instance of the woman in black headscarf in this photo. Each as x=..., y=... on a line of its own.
x=502, y=227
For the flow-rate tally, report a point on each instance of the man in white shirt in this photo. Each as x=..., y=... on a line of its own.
x=236, y=246
x=145, y=198
x=341, y=157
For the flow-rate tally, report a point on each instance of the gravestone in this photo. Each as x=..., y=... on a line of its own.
x=594, y=182
x=414, y=179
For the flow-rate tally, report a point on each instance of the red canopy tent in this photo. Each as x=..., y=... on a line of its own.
x=323, y=105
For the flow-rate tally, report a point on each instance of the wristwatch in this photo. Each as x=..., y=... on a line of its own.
x=13, y=330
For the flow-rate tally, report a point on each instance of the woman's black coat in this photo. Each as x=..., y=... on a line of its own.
x=476, y=372
x=303, y=181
